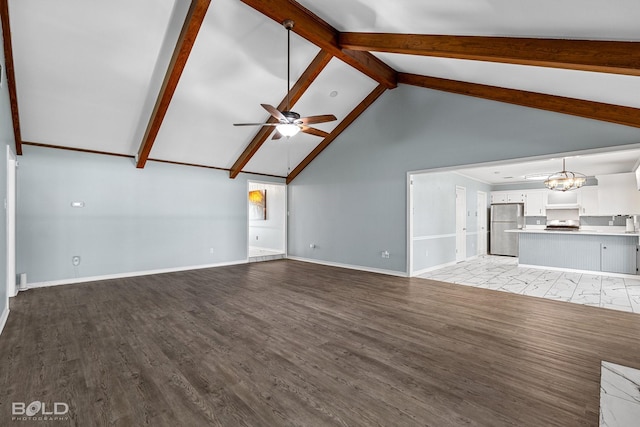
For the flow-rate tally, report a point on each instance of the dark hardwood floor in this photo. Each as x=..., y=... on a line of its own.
x=290, y=343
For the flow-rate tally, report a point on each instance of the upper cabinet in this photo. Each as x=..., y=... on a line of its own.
x=535, y=203
x=499, y=197
x=618, y=194
x=507, y=197
x=588, y=201
x=515, y=197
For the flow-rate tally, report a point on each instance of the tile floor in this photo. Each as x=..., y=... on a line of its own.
x=619, y=395
x=260, y=254
x=503, y=274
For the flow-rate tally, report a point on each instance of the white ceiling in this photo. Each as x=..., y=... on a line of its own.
x=591, y=164
x=87, y=72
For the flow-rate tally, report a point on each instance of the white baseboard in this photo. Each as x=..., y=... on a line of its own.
x=3, y=319
x=350, y=266
x=430, y=269
x=125, y=275
x=571, y=270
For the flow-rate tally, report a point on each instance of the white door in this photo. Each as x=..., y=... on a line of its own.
x=482, y=223
x=461, y=224
x=10, y=204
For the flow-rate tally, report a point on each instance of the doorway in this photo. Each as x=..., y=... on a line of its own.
x=461, y=224
x=11, y=223
x=481, y=209
x=267, y=221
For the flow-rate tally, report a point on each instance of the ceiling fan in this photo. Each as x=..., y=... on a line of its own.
x=290, y=122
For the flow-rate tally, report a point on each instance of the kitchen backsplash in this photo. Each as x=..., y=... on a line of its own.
x=618, y=221
x=533, y=220
x=592, y=221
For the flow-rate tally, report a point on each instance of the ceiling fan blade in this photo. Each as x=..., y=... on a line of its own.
x=277, y=135
x=314, y=131
x=274, y=112
x=317, y=119
x=256, y=124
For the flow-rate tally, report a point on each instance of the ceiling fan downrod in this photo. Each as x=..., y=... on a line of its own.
x=288, y=24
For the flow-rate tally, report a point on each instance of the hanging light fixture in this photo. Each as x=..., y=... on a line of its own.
x=565, y=180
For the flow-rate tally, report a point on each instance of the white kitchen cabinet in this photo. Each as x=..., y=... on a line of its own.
x=515, y=197
x=618, y=194
x=588, y=201
x=499, y=197
x=535, y=203
x=507, y=197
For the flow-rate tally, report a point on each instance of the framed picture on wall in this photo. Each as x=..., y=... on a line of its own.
x=258, y=204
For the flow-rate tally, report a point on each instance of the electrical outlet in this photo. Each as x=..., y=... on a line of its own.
x=610, y=222
x=210, y=250
x=426, y=253
x=537, y=222
x=385, y=254
x=312, y=246
x=75, y=260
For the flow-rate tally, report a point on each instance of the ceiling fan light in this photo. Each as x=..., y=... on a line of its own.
x=288, y=129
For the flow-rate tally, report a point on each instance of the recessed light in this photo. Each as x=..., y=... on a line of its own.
x=333, y=93
x=537, y=176
x=507, y=177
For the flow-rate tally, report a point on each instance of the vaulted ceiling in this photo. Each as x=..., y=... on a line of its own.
x=165, y=80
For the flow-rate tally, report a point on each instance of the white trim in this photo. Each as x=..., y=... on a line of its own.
x=131, y=274
x=435, y=267
x=10, y=223
x=409, y=231
x=350, y=266
x=571, y=270
x=433, y=237
x=3, y=319
x=442, y=236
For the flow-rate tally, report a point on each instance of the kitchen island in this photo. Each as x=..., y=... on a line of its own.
x=585, y=250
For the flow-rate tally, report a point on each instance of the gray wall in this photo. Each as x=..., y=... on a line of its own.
x=351, y=200
x=162, y=216
x=434, y=205
x=6, y=138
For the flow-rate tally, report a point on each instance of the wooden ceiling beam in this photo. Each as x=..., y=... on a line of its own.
x=617, y=114
x=11, y=76
x=311, y=27
x=299, y=88
x=617, y=57
x=344, y=124
x=193, y=22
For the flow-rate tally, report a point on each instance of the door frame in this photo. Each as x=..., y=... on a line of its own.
x=461, y=232
x=286, y=212
x=409, y=224
x=10, y=205
x=481, y=209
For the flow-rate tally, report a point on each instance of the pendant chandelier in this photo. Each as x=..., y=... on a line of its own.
x=565, y=180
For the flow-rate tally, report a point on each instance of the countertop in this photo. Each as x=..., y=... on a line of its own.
x=579, y=232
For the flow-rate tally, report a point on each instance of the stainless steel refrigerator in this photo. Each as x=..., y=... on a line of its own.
x=504, y=217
